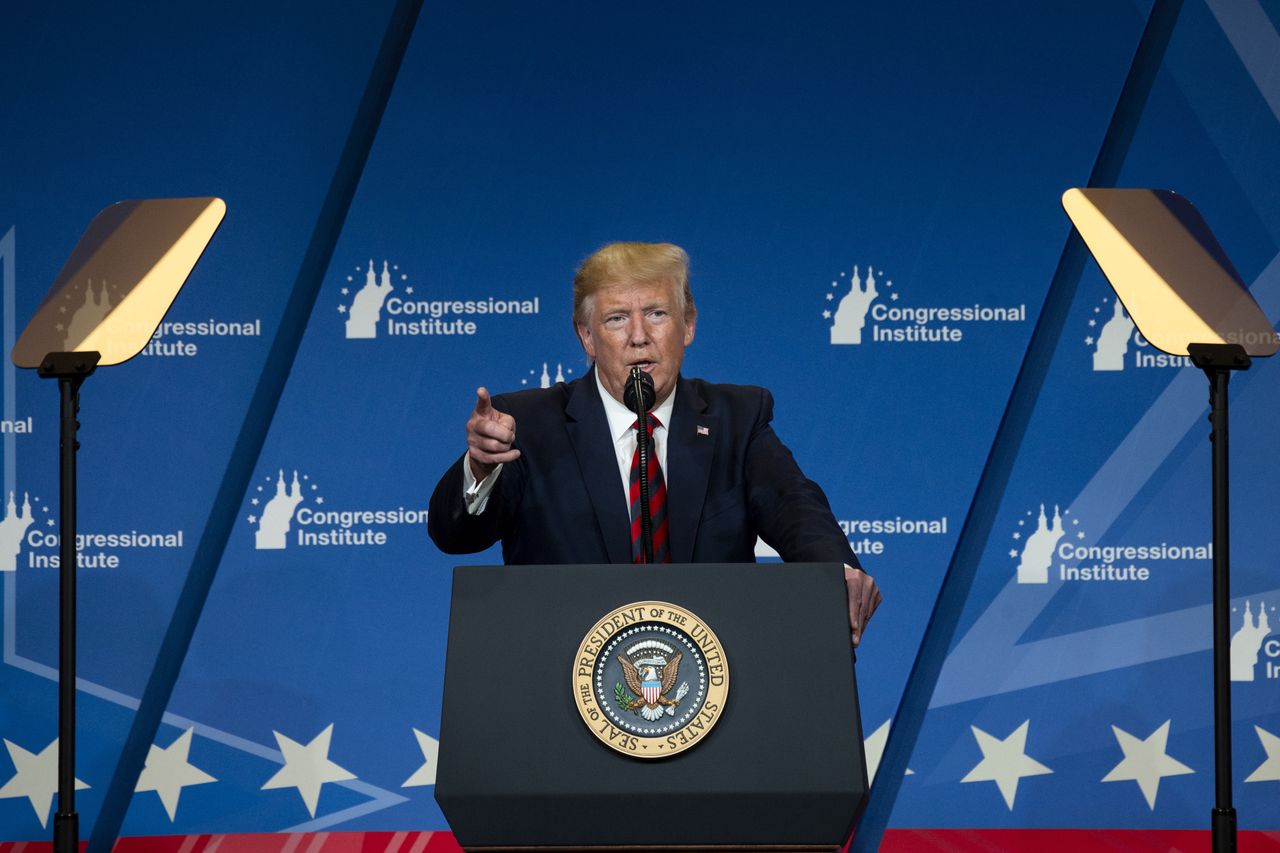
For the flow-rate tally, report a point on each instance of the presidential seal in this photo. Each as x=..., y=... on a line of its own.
x=650, y=679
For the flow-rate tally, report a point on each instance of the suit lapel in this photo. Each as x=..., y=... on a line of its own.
x=691, y=443
x=588, y=430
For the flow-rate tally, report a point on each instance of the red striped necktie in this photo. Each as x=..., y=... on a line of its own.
x=657, y=501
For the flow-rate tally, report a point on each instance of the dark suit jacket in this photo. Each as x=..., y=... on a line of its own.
x=562, y=501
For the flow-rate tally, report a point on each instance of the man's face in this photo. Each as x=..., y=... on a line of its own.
x=637, y=324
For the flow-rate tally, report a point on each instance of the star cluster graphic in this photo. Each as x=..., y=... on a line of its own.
x=1008, y=760
x=168, y=773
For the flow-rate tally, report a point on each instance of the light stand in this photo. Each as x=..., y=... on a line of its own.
x=1217, y=361
x=70, y=369
x=1186, y=298
x=145, y=249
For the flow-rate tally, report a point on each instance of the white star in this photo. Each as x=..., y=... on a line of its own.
x=426, y=774
x=36, y=779
x=253, y=519
x=1091, y=323
x=342, y=309
x=873, y=749
x=254, y=501
x=1145, y=762
x=51, y=522
x=307, y=768
x=1079, y=535
x=1005, y=761
x=1087, y=342
x=892, y=296
x=409, y=290
x=167, y=772
x=347, y=290
x=320, y=499
x=830, y=297
x=1016, y=535
x=1269, y=770
x=1012, y=551
x=826, y=315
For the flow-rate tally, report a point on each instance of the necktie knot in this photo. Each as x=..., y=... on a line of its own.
x=651, y=422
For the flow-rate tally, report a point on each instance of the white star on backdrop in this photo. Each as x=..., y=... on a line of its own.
x=1145, y=762
x=426, y=774
x=307, y=768
x=1005, y=761
x=1269, y=770
x=36, y=779
x=873, y=749
x=167, y=772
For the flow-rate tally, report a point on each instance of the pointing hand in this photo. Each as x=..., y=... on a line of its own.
x=490, y=436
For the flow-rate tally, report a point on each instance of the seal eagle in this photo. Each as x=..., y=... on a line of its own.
x=651, y=692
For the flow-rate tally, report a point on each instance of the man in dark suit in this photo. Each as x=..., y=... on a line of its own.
x=559, y=492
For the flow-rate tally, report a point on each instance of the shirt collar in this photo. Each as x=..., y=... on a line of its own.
x=621, y=418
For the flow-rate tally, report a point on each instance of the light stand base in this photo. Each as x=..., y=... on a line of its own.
x=66, y=833
x=1224, y=830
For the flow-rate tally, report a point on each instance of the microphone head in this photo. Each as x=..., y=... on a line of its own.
x=639, y=388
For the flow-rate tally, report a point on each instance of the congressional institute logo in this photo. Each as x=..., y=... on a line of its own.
x=650, y=679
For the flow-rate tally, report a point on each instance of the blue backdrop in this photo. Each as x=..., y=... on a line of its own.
x=799, y=156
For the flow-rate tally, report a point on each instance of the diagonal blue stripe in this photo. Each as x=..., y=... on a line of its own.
x=257, y=421
x=958, y=580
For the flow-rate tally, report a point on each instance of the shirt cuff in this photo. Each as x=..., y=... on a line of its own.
x=475, y=494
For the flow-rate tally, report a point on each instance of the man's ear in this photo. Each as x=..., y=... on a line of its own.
x=690, y=326
x=584, y=338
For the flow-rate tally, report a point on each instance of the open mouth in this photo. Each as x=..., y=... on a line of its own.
x=646, y=366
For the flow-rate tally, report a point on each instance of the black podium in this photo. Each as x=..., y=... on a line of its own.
x=782, y=769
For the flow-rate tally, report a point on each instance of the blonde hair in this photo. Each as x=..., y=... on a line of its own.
x=631, y=262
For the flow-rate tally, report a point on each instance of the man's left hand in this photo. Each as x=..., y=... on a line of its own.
x=864, y=598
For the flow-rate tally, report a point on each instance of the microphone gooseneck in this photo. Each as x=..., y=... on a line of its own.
x=639, y=396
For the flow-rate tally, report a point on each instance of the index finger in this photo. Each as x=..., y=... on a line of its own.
x=484, y=405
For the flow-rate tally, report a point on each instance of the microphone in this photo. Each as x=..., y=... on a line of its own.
x=639, y=396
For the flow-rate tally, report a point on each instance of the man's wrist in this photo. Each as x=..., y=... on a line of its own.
x=480, y=470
